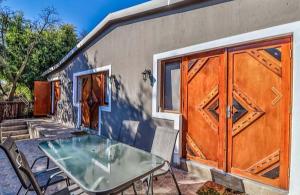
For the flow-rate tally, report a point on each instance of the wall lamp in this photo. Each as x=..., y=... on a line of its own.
x=147, y=74
x=112, y=78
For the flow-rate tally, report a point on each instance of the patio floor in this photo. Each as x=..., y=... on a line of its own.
x=9, y=183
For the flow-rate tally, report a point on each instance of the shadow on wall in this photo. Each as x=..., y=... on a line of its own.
x=124, y=108
x=67, y=113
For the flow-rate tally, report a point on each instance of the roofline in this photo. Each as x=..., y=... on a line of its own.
x=128, y=13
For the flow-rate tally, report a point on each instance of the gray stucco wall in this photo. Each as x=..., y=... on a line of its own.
x=129, y=47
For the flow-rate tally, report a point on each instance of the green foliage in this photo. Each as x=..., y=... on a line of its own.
x=53, y=46
x=25, y=92
x=28, y=48
x=21, y=90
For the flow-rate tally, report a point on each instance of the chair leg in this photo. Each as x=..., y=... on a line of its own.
x=19, y=190
x=147, y=182
x=174, y=178
x=48, y=163
x=134, y=189
x=68, y=181
x=150, y=185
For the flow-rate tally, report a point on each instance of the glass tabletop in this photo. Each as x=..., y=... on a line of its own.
x=98, y=164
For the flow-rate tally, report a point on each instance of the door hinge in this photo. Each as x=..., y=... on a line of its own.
x=228, y=111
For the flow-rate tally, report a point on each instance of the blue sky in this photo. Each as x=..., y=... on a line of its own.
x=84, y=14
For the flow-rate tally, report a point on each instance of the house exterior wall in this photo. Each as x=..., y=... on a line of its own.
x=129, y=48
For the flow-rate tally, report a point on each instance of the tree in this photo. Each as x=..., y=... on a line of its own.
x=53, y=46
x=27, y=48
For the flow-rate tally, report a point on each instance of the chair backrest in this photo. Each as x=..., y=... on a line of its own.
x=20, y=165
x=128, y=131
x=164, y=142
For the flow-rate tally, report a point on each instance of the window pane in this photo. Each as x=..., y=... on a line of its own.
x=172, y=86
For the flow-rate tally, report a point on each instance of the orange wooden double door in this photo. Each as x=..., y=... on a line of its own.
x=236, y=108
x=92, y=96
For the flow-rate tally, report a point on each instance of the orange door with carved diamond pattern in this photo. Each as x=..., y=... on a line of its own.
x=204, y=107
x=236, y=110
x=259, y=94
x=86, y=101
x=92, y=96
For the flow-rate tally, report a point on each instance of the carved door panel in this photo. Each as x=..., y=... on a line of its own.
x=86, y=101
x=97, y=94
x=259, y=92
x=204, y=107
x=93, y=95
x=57, y=91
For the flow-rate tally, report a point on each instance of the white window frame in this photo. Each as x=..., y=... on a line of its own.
x=76, y=103
x=258, y=35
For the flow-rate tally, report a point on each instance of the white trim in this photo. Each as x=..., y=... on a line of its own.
x=75, y=96
x=276, y=31
x=53, y=79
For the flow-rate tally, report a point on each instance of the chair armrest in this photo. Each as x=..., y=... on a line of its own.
x=53, y=176
x=39, y=158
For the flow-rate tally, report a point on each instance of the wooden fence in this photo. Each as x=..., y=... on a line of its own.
x=15, y=109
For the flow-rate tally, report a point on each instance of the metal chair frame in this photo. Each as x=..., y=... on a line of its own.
x=24, y=172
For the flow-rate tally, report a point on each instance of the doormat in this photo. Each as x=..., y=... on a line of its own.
x=211, y=188
x=79, y=133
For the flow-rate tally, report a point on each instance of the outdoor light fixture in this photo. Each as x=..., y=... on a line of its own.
x=112, y=78
x=146, y=74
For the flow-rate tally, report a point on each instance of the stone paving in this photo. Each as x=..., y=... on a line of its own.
x=9, y=183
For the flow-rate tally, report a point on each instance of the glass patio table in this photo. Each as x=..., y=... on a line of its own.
x=100, y=165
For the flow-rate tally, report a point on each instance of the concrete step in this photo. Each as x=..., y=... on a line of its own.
x=10, y=123
x=13, y=133
x=14, y=128
x=19, y=119
x=18, y=137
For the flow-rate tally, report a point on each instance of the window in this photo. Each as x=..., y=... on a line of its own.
x=170, y=88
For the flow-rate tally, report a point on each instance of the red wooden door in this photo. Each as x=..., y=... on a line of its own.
x=204, y=108
x=92, y=97
x=42, y=98
x=259, y=93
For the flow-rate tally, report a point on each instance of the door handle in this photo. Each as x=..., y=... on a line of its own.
x=228, y=111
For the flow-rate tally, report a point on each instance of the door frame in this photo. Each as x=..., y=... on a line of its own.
x=52, y=80
x=77, y=89
x=291, y=29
